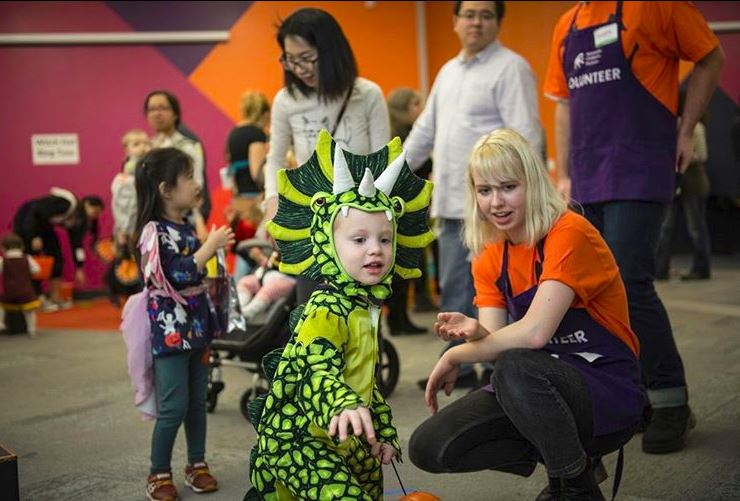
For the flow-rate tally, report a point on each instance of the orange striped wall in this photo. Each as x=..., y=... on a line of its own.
x=382, y=35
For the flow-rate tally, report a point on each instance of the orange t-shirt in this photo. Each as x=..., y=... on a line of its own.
x=575, y=255
x=661, y=33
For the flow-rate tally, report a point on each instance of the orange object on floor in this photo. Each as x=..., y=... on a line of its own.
x=96, y=314
x=46, y=264
x=66, y=291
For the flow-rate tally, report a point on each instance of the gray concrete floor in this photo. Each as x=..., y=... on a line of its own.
x=66, y=410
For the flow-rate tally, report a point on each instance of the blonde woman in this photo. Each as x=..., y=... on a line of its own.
x=246, y=146
x=566, y=385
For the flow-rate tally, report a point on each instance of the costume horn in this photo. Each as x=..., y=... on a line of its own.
x=367, y=186
x=342, y=176
x=388, y=178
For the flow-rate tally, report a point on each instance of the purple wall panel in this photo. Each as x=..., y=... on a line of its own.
x=27, y=17
x=165, y=16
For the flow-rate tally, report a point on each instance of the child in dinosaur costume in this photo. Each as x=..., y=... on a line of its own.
x=323, y=383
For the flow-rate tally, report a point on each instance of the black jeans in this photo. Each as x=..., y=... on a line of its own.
x=631, y=230
x=540, y=412
x=695, y=213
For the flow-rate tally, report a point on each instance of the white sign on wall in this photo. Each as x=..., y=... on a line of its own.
x=55, y=149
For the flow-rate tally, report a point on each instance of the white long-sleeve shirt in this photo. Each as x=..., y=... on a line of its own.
x=364, y=128
x=188, y=146
x=495, y=88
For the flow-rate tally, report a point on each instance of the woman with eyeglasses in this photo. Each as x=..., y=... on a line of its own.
x=322, y=91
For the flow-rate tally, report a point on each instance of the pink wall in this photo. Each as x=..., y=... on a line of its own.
x=96, y=92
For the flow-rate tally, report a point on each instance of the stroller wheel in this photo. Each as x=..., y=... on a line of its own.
x=212, y=397
x=248, y=396
x=388, y=369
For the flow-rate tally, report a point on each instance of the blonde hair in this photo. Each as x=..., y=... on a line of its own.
x=128, y=136
x=253, y=105
x=398, y=108
x=504, y=155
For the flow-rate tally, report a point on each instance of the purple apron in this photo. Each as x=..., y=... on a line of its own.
x=622, y=139
x=608, y=366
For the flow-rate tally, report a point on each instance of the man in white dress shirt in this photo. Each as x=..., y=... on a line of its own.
x=483, y=88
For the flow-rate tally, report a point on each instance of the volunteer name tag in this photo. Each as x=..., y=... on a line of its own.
x=605, y=35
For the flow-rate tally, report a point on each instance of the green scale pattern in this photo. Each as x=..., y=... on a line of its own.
x=294, y=457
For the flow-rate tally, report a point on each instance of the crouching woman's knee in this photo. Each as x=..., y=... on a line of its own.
x=426, y=447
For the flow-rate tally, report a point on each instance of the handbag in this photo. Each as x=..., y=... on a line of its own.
x=222, y=292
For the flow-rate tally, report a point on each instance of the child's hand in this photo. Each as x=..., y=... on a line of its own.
x=384, y=452
x=220, y=237
x=359, y=419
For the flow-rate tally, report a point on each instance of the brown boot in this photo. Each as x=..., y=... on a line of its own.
x=159, y=487
x=198, y=478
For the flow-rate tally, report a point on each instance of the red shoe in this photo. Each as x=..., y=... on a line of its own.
x=159, y=487
x=198, y=478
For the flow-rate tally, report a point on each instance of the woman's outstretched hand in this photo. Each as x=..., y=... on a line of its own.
x=456, y=326
x=443, y=376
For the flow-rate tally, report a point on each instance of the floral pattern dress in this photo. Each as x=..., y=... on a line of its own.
x=176, y=326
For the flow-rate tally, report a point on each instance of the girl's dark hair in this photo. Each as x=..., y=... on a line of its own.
x=92, y=200
x=499, y=7
x=92, y=225
x=160, y=165
x=174, y=103
x=337, y=64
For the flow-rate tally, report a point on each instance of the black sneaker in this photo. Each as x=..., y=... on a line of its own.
x=584, y=487
x=668, y=429
x=553, y=491
x=695, y=276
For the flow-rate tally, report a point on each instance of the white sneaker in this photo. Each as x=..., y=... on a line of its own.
x=48, y=306
x=65, y=305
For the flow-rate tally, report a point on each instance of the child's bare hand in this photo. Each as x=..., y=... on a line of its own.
x=360, y=420
x=221, y=237
x=384, y=452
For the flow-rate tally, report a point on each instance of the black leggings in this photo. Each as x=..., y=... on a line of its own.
x=540, y=412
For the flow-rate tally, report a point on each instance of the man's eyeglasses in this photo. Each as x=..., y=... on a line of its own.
x=485, y=15
x=293, y=63
x=153, y=109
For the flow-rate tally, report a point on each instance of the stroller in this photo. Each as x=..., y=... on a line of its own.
x=246, y=348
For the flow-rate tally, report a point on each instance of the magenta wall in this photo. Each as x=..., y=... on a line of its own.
x=726, y=11
x=96, y=92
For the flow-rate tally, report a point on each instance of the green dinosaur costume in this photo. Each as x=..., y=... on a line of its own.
x=329, y=363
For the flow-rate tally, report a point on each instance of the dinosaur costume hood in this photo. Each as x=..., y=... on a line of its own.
x=325, y=187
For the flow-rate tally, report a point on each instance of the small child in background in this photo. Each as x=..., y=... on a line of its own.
x=265, y=285
x=244, y=216
x=123, y=276
x=135, y=143
x=18, y=295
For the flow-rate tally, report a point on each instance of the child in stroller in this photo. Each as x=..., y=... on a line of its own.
x=265, y=285
x=267, y=331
